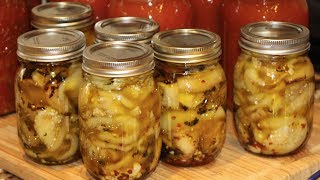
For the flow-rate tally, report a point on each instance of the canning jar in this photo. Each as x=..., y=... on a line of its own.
x=33, y=3
x=47, y=87
x=207, y=14
x=119, y=108
x=193, y=92
x=64, y=15
x=273, y=88
x=170, y=14
x=126, y=29
x=14, y=21
x=241, y=12
x=98, y=6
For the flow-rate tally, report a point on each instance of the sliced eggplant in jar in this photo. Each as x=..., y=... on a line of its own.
x=139, y=92
x=51, y=128
x=281, y=135
x=72, y=83
x=191, y=100
x=202, y=81
x=298, y=97
x=32, y=93
x=301, y=70
x=175, y=119
x=57, y=99
x=170, y=93
x=40, y=79
x=73, y=148
x=28, y=135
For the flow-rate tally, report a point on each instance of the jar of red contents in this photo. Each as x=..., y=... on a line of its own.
x=241, y=12
x=33, y=3
x=14, y=21
x=170, y=14
x=98, y=6
x=207, y=15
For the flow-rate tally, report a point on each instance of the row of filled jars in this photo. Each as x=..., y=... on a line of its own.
x=128, y=104
x=213, y=15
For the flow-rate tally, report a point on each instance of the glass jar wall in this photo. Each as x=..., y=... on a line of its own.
x=170, y=14
x=47, y=88
x=207, y=14
x=98, y=6
x=273, y=88
x=119, y=108
x=193, y=89
x=14, y=21
x=241, y=12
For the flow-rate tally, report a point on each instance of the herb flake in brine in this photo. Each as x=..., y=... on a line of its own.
x=192, y=123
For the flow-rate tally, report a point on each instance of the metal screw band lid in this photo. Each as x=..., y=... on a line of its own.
x=186, y=45
x=126, y=29
x=50, y=45
x=69, y=15
x=275, y=38
x=118, y=59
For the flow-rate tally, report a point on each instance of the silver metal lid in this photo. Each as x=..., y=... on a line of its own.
x=126, y=29
x=275, y=38
x=51, y=45
x=69, y=15
x=118, y=59
x=186, y=45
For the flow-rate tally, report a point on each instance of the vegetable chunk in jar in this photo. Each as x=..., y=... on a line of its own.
x=47, y=86
x=126, y=29
x=64, y=15
x=193, y=90
x=119, y=107
x=273, y=88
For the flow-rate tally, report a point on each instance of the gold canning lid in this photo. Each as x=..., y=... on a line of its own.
x=274, y=38
x=126, y=29
x=186, y=46
x=70, y=15
x=50, y=45
x=118, y=59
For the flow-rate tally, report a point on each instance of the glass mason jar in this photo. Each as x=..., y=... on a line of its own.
x=47, y=86
x=126, y=29
x=33, y=3
x=119, y=108
x=193, y=89
x=207, y=15
x=64, y=15
x=241, y=12
x=273, y=88
x=98, y=7
x=170, y=14
x=14, y=21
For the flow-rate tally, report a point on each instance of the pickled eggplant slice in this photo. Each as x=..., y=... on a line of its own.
x=202, y=81
x=51, y=128
x=281, y=135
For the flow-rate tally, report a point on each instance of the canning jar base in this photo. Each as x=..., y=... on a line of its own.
x=48, y=162
x=121, y=176
x=191, y=162
x=297, y=150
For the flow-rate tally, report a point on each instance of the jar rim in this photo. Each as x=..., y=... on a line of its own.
x=50, y=45
x=118, y=59
x=274, y=37
x=71, y=15
x=126, y=29
x=186, y=45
